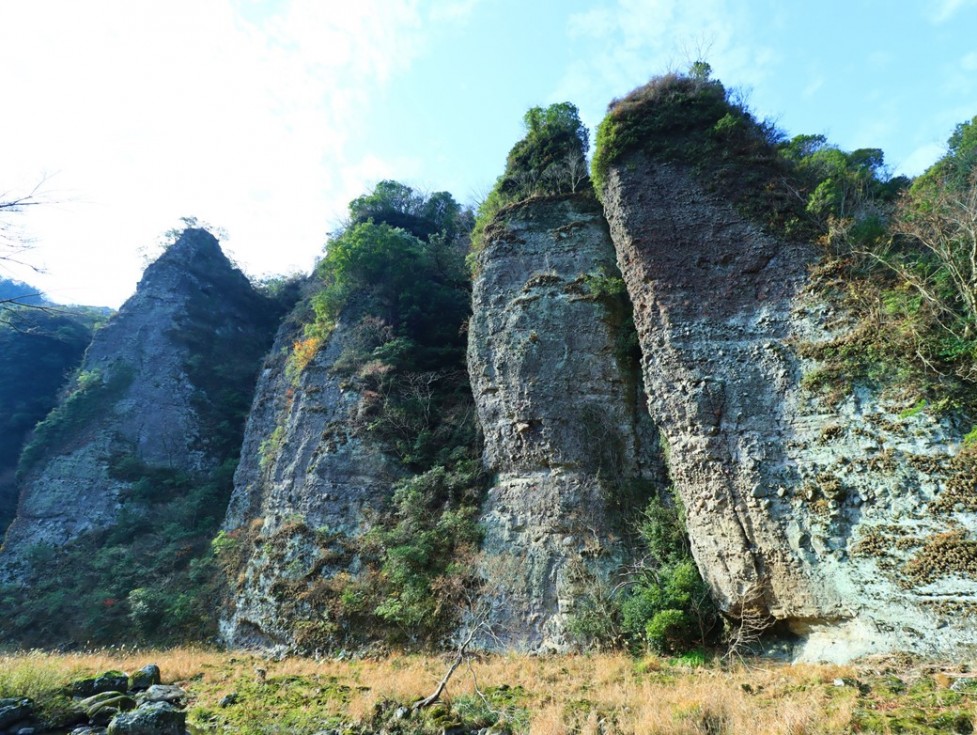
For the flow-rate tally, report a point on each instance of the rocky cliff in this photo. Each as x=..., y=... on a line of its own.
x=682, y=332
x=354, y=501
x=307, y=483
x=562, y=408
x=844, y=519
x=158, y=388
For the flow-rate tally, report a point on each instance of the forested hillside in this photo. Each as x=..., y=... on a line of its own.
x=40, y=346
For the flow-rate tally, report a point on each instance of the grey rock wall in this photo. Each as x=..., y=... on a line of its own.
x=144, y=403
x=306, y=482
x=562, y=409
x=137, y=396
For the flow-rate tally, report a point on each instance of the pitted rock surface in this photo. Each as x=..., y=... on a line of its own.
x=562, y=410
x=806, y=507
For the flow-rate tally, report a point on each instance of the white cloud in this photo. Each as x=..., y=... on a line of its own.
x=920, y=159
x=940, y=11
x=244, y=114
x=452, y=10
x=880, y=60
x=813, y=86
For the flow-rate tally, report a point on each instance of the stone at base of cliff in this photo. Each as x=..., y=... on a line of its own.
x=158, y=718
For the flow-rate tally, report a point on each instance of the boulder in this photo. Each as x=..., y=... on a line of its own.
x=14, y=710
x=155, y=718
x=109, y=681
x=100, y=708
x=146, y=677
x=164, y=693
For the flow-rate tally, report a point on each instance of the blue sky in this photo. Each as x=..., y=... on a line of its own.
x=265, y=118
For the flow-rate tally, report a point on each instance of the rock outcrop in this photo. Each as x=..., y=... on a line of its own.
x=307, y=481
x=153, y=390
x=826, y=514
x=561, y=405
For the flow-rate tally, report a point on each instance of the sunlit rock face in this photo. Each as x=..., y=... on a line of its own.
x=834, y=515
x=308, y=482
x=562, y=408
x=138, y=396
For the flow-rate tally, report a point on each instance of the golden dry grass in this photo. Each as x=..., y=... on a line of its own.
x=583, y=695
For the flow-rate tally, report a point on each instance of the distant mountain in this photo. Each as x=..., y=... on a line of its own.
x=39, y=348
x=22, y=293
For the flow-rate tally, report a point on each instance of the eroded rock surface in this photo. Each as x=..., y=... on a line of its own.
x=826, y=512
x=307, y=481
x=562, y=409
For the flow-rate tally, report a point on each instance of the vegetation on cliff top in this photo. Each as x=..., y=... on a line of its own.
x=550, y=160
x=900, y=254
x=404, y=296
x=695, y=121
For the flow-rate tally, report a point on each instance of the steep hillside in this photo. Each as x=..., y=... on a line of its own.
x=353, y=508
x=18, y=292
x=121, y=485
x=308, y=479
x=39, y=349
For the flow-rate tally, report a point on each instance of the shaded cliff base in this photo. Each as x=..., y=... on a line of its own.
x=611, y=694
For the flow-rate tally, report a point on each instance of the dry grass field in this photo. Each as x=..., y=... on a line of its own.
x=599, y=694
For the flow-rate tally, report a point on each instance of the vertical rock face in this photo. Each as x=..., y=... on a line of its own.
x=845, y=520
x=139, y=394
x=712, y=297
x=306, y=482
x=562, y=410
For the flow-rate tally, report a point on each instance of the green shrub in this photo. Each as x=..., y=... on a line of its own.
x=429, y=547
x=694, y=121
x=669, y=606
x=670, y=629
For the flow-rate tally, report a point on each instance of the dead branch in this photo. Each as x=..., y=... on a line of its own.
x=460, y=655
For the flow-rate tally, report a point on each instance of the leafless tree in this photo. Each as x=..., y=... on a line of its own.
x=13, y=243
x=945, y=226
x=477, y=609
x=751, y=620
x=933, y=250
